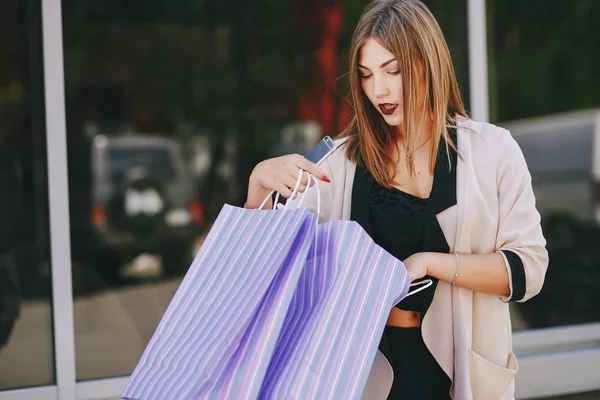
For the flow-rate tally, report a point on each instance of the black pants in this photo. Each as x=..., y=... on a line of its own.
x=416, y=373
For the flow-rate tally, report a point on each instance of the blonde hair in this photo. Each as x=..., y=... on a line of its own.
x=410, y=32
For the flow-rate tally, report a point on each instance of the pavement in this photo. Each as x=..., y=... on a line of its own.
x=111, y=330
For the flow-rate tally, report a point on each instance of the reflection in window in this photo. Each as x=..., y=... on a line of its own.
x=26, y=351
x=151, y=161
x=543, y=57
x=452, y=17
x=544, y=89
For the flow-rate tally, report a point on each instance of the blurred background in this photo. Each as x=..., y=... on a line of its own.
x=170, y=104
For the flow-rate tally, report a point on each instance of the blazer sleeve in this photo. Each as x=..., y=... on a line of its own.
x=519, y=238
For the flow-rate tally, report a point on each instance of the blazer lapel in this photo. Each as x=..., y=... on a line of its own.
x=439, y=237
x=443, y=192
x=442, y=197
x=361, y=191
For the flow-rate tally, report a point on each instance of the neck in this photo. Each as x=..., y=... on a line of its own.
x=426, y=132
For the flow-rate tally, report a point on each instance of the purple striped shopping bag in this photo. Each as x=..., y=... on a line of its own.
x=332, y=331
x=218, y=334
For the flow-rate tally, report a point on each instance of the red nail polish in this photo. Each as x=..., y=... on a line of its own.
x=326, y=179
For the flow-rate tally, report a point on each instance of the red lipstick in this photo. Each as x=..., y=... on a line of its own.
x=387, y=108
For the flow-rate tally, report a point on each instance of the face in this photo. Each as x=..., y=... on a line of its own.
x=381, y=81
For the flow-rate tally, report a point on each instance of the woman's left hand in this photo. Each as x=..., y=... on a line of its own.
x=417, y=266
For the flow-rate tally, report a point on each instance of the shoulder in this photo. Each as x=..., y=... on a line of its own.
x=340, y=145
x=481, y=132
x=487, y=140
x=337, y=162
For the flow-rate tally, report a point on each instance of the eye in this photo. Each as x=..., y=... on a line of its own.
x=365, y=76
x=396, y=72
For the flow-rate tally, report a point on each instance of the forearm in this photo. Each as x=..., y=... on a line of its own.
x=484, y=273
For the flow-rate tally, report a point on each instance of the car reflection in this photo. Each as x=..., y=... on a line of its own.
x=139, y=214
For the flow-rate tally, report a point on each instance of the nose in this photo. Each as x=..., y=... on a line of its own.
x=380, y=89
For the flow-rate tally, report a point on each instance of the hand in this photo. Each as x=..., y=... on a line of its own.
x=281, y=173
x=417, y=266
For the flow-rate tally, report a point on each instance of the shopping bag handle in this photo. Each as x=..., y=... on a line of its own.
x=264, y=202
x=276, y=201
x=317, y=188
x=424, y=285
x=295, y=192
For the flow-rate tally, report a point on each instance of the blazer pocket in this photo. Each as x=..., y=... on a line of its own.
x=489, y=381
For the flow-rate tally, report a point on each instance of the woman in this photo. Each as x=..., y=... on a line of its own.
x=449, y=196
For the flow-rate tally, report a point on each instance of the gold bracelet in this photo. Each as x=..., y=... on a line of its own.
x=457, y=269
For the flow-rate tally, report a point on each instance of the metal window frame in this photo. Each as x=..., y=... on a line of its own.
x=478, y=59
x=545, y=355
x=62, y=296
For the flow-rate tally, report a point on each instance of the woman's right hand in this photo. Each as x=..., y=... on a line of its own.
x=280, y=174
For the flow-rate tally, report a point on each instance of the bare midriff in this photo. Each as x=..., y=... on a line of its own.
x=404, y=319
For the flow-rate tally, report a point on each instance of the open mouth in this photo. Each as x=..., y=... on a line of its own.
x=388, y=108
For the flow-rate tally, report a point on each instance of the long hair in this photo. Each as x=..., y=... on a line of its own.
x=410, y=32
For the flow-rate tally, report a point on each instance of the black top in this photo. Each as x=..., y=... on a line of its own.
x=398, y=224
x=397, y=220
x=403, y=224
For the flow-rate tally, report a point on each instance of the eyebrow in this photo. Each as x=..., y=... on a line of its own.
x=381, y=66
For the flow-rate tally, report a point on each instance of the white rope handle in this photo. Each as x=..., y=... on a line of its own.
x=264, y=202
x=310, y=179
x=317, y=188
x=294, y=192
x=424, y=285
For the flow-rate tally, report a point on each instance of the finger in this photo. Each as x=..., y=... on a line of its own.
x=295, y=173
x=312, y=168
x=298, y=173
x=306, y=182
x=284, y=190
x=303, y=179
x=291, y=182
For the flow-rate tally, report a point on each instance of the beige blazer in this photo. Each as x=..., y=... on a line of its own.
x=468, y=333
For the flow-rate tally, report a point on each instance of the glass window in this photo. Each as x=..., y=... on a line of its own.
x=170, y=106
x=152, y=161
x=542, y=58
x=26, y=349
x=452, y=18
